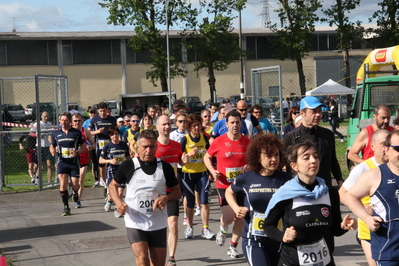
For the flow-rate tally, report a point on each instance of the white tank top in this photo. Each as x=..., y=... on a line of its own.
x=141, y=192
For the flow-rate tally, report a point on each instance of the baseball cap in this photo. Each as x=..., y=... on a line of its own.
x=310, y=102
x=120, y=119
x=93, y=110
x=228, y=107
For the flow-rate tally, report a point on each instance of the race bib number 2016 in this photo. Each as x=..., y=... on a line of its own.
x=316, y=254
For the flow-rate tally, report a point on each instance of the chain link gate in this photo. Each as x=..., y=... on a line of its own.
x=23, y=159
x=266, y=85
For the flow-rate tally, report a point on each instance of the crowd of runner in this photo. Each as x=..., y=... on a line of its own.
x=276, y=194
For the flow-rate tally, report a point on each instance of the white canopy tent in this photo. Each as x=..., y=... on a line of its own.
x=330, y=88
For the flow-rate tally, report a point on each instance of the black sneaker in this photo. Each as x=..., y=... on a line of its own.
x=66, y=212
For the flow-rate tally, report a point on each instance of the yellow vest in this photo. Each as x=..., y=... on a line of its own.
x=196, y=163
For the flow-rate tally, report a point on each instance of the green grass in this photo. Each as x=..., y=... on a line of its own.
x=16, y=177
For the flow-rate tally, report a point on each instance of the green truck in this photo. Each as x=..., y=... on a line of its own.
x=373, y=87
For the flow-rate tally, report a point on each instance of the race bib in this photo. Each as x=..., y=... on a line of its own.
x=232, y=173
x=119, y=158
x=102, y=143
x=316, y=254
x=67, y=152
x=145, y=201
x=258, y=224
x=198, y=157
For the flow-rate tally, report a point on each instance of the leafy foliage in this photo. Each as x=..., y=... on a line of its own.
x=294, y=38
x=387, y=18
x=147, y=16
x=212, y=38
x=348, y=31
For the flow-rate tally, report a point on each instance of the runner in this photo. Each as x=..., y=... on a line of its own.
x=77, y=122
x=310, y=211
x=230, y=150
x=170, y=151
x=113, y=154
x=147, y=179
x=258, y=186
x=196, y=174
x=67, y=145
x=99, y=126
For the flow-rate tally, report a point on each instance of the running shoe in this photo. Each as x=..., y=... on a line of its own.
x=232, y=252
x=107, y=206
x=189, y=232
x=185, y=221
x=78, y=205
x=102, y=183
x=207, y=233
x=117, y=215
x=197, y=211
x=33, y=179
x=96, y=184
x=220, y=238
x=171, y=262
x=67, y=211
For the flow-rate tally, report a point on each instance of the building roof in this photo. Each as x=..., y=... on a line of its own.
x=81, y=35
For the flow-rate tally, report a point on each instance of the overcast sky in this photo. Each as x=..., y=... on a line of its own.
x=87, y=15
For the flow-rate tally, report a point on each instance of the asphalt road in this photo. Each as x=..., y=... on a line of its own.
x=33, y=232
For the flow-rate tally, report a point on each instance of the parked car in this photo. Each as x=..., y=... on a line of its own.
x=187, y=99
x=195, y=107
x=218, y=100
x=17, y=111
x=76, y=106
x=28, y=112
x=236, y=98
x=50, y=108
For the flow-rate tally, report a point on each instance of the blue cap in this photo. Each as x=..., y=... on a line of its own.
x=310, y=102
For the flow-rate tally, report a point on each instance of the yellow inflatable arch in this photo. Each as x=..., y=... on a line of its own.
x=378, y=58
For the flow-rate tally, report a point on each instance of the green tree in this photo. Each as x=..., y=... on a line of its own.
x=348, y=31
x=294, y=39
x=212, y=39
x=147, y=16
x=387, y=23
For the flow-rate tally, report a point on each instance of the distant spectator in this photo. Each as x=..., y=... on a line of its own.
x=72, y=110
x=165, y=110
x=293, y=113
x=137, y=109
x=257, y=112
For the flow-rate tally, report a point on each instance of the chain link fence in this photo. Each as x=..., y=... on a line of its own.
x=30, y=108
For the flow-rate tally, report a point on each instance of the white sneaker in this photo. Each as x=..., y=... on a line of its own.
x=189, y=232
x=343, y=140
x=96, y=184
x=207, y=233
x=33, y=179
x=232, y=252
x=102, y=183
x=220, y=238
x=107, y=206
x=197, y=211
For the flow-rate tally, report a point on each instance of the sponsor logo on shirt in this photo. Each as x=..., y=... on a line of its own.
x=302, y=213
x=316, y=223
x=391, y=181
x=227, y=144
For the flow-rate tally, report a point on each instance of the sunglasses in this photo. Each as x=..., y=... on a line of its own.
x=242, y=110
x=121, y=122
x=135, y=121
x=181, y=121
x=395, y=147
x=77, y=120
x=296, y=113
x=127, y=120
x=206, y=116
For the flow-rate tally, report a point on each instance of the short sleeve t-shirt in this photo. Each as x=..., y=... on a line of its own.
x=230, y=158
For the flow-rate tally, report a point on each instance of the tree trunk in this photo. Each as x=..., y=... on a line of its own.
x=164, y=83
x=211, y=82
x=347, y=66
x=302, y=81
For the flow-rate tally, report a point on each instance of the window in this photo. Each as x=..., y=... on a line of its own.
x=14, y=53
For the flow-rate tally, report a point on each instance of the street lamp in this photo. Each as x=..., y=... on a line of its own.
x=168, y=55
